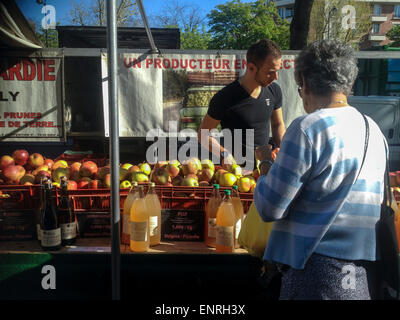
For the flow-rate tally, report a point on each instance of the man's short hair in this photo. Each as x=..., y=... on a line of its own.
x=260, y=50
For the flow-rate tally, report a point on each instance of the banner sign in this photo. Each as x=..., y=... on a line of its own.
x=171, y=92
x=31, y=97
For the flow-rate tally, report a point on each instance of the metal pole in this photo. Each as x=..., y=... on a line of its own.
x=114, y=146
x=146, y=26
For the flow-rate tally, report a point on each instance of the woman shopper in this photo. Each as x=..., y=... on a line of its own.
x=324, y=207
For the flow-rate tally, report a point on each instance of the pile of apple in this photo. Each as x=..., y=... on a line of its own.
x=191, y=173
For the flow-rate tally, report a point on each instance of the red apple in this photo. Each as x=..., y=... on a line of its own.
x=83, y=184
x=75, y=167
x=48, y=162
x=72, y=185
x=95, y=184
x=20, y=157
x=42, y=174
x=88, y=169
x=173, y=170
x=35, y=160
x=13, y=173
x=6, y=161
x=107, y=181
x=160, y=176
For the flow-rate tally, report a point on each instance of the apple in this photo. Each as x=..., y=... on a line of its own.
x=88, y=169
x=235, y=169
x=207, y=164
x=204, y=184
x=206, y=175
x=83, y=184
x=27, y=178
x=145, y=168
x=94, y=184
x=227, y=179
x=60, y=172
x=139, y=177
x=6, y=161
x=56, y=184
x=20, y=157
x=13, y=173
x=177, y=181
x=126, y=166
x=42, y=174
x=256, y=174
x=48, y=162
x=173, y=170
x=122, y=173
x=27, y=183
x=192, y=165
x=219, y=173
x=244, y=184
x=75, y=176
x=41, y=168
x=160, y=164
x=392, y=179
x=59, y=163
x=192, y=176
x=75, y=167
x=35, y=160
x=125, y=184
x=72, y=185
x=190, y=182
x=160, y=176
x=107, y=181
x=175, y=163
x=103, y=171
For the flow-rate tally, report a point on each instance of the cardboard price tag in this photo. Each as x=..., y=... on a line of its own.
x=182, y=225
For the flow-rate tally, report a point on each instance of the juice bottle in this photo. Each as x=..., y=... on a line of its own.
x=139, y=219
x=225, y=225
x=238, y=206
x=154, y=209
x=397, y=227
x=126, y=232
x=210, y=231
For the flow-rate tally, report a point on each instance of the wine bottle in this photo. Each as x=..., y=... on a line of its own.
x=51, y=231
x=38, y=213
x=66, y=215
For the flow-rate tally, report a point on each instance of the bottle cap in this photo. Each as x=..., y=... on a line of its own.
x=216, y=186
x=227, y=192
x=235, y=187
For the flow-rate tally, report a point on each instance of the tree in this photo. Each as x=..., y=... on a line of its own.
x=300, y=24
x=334, y=20
x=49, y=37
x=236, y=25
x=195, y=39
x=394, y=35
x=96, y=14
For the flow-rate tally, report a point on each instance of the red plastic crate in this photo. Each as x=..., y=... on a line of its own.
x=20, y=197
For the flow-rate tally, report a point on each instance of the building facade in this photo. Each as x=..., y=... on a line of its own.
x=384, y=15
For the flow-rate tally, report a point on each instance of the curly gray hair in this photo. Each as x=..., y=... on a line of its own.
x=327, y=66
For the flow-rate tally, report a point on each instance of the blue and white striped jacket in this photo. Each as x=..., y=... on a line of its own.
x=312, y=194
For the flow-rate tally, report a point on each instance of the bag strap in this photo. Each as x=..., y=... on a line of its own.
x=365, y=144
x=387, y=194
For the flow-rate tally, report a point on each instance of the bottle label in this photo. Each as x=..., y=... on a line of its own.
x=39, y=232
x=138, y=231
x=212, y=227
x=153, y=221
x=51, y=238
x=238, y=227
x=224, y=236
x=68, y=230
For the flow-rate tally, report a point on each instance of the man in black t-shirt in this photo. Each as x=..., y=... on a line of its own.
x=253, y=101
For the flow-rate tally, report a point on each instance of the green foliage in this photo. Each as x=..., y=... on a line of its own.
x=394, y=35
x=236, y=25
x=49, y=37
x=192, y=38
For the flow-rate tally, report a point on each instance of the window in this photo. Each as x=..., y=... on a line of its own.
x=376, y=28
x=396, y=11
x=377, y=9
x=289, y=12
x=281, y=12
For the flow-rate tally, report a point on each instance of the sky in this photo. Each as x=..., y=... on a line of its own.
x=32, y=10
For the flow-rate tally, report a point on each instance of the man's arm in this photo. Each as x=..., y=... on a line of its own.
x=277, y=126
x=209, y=143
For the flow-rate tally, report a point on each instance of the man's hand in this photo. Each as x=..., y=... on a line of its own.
x=264, y=153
